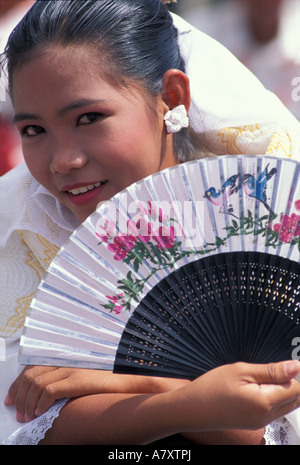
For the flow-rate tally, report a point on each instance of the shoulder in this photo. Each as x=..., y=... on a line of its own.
x=26, y=206
x=16, y=180
x=15, y=187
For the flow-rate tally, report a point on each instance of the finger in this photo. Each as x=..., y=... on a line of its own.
x=281, y=399
x=29, y=380
x=23, y=379
x=283, y=408
x=275, y=373
x=14, y=388
x=12, y=392
x=281, y=394
x=287, y=407
x=70, y=383
x=291, y=368
x=39, y=385
x=50, y=394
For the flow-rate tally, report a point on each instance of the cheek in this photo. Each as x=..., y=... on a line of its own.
x=37, y=164
x=140, y=142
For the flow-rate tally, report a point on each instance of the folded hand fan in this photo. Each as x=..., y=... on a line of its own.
x=191, y=268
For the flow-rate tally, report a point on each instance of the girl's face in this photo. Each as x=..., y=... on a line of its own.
x=84, y=139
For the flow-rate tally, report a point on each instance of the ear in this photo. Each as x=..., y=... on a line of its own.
x=176, y=89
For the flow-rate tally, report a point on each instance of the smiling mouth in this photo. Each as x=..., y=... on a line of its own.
x=84, y=189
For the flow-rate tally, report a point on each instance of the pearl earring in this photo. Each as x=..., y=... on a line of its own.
x=176, y=119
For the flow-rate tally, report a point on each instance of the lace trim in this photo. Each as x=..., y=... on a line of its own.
x=280, y=433
x=32, y=433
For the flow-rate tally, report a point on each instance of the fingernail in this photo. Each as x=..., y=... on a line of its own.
x=19, y=417
x=291, y=367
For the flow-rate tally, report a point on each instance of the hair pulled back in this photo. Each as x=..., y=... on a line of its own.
x=138, y=36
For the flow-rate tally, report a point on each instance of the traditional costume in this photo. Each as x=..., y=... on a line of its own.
x=234, y=114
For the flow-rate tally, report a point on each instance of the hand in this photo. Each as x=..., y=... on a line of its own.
x=240, y=396
x=37, y=387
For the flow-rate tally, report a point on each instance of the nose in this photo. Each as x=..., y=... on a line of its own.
x=67, y=156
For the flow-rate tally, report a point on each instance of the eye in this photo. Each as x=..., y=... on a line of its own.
x=89, y=118
x=32, y=131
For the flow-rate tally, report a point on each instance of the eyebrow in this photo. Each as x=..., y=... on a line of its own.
x=22, y=116
x=78, y=104
x=72, y=106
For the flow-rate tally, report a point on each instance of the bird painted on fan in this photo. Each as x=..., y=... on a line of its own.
x=256, y=187
x=220, y=197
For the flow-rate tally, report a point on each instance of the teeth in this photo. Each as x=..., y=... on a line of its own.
x=83, y=190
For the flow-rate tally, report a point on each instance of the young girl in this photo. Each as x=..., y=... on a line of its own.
x=91, y=83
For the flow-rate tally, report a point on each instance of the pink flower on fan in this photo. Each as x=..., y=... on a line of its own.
x=106, y=230
x=289, y=227
x=114, y=299
x=165, y=238
x=121, y=246
x=118, y=309
x=141, y=229
x=156, y=213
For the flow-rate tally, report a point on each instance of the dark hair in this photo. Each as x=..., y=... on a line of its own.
x=136, y=38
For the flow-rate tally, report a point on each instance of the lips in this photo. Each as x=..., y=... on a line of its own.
x=85, y=189
x=80, y=194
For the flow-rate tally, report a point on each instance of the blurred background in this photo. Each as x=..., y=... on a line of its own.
x=263, y=34
x=11, y=11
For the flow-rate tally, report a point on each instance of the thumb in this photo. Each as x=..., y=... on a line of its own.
x=277, y=373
